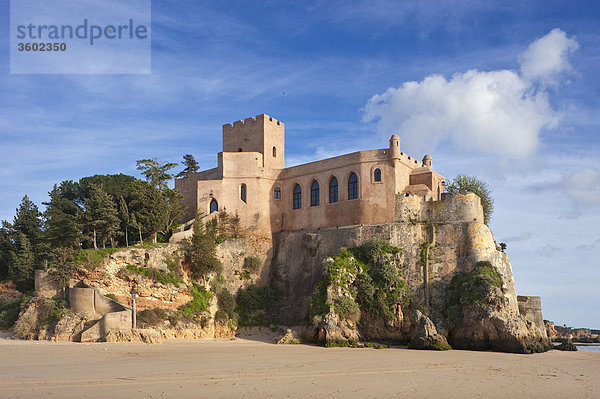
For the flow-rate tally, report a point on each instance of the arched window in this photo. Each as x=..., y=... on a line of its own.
x=352, y=187
x=243, y=192
x=333, y=190
x=377, y=175
x=274, y=152
x=297, y=197
x=214, y=206
x=277, y=193
x=314, y=194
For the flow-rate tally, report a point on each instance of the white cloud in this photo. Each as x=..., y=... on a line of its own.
x=583, y=187
x=499, y=112
x=547, y=57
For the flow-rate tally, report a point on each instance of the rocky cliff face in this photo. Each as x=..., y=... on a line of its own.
x=439, y=240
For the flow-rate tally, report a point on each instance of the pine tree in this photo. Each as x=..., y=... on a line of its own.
x=191, y=166
x=28, y=221
x=22, y=264
x=63, y=225
x=101, y=215
x=155, y=172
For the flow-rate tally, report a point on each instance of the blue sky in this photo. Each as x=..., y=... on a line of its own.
x=507, y=91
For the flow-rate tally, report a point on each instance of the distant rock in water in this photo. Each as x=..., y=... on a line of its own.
x=566, y=345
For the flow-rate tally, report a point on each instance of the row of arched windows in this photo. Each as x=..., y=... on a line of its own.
x=315, y=192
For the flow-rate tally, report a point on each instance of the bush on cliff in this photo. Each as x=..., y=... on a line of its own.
x=474, y=288
x=253, y=304
x=200, y=252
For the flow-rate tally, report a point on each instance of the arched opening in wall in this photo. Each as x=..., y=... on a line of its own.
x=377, y=175
x=214, y=206
x=333, y=190
x=314, y=193
x=243, y=192
x=353, y=187
x=297, y=197
x=239, y=150
x=274, y=152
x=277, y=193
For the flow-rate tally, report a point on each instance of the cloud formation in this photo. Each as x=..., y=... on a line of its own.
x=499, y=112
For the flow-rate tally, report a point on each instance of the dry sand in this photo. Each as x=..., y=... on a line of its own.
x=246, y=368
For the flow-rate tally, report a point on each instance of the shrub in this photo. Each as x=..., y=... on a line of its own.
x=226, y=302
x=252, y=264
x=472, y=287
x=221, y=317
x=152, y=317
x=347, y=308
x=91, y=258
x=200, y=252
x=462, y=183
x=199, y=303
x=251, y=302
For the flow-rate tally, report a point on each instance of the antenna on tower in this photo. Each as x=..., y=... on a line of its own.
x=283, y=107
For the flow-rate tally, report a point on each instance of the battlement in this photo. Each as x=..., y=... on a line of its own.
x=252, y=121
x=452, y=208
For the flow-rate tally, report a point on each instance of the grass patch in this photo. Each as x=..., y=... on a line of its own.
x=92, y=258
x=156, y=275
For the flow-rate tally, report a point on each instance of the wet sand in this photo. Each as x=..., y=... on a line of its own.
x=245, y=368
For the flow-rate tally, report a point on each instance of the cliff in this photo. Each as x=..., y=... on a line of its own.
x=439, y=241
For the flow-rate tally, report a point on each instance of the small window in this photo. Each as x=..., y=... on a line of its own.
x=333, y=190
x=274, y=152
x=352, y=187
x=314, y=194
x=377, y=175
x=239, y=150
x=243, y=192
x=214, y=206
x=297, y=197
x=277, y=193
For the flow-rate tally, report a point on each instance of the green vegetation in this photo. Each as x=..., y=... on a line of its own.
x=92, y=258
x=367, y=279
x=252, y=304
x=191, y=166
x=252, y=264
x=63, y=266
x=200, y=252
x=473, y=288
x=159, y=276
x=112, y=296
x=226, y=302
x=199, y=303
x=9, y=312
x=462, y=183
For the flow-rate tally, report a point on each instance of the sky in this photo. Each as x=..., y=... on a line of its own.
x=508, y=91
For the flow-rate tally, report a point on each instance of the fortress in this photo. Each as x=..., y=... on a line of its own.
x=252, y=181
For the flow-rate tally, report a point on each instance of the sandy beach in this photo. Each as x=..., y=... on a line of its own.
x=245, y=368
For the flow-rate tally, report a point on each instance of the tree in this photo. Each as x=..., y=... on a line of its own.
x=22, y=264
x=62, y=265
x=155, y=172
x=200, y=252
x=124, y=214
x=191, y=166
x=28, y=221
x=462, y=183
x=101, y=215
x=63, y=224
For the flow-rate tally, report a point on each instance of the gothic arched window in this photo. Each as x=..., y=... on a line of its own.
x=314, y=194
x=377, y=175
x=297, y=197
x=214, y=206
x=333, y=190
x=352, y=187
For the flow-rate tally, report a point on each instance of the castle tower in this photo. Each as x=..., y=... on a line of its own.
x=262, y=134
x=395, y=146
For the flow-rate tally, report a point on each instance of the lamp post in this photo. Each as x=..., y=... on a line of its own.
x=134, y=294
